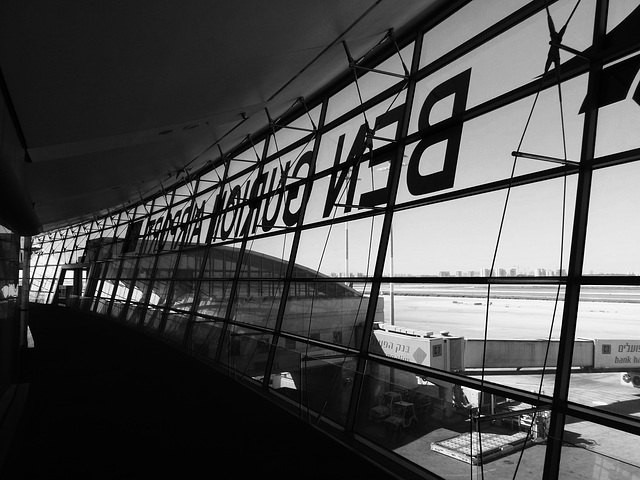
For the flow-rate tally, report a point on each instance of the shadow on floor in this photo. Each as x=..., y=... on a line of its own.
x=108, y=403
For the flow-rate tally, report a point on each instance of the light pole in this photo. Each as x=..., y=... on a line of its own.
x=346, y=249
x=391, y=283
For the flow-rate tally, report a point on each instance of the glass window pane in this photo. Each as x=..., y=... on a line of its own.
x=211, y=178
x=595, y=451
x=315, y=378
x=608, y=322
x=175, y=326
x=475, y=16
x=619, y=11
x=612, y=237
x=243, y=160
x=221, y=262
x=294, y=131
x=166, y=264
x=461, y=235
x=204, y=337
x=517, y=56
x=267, y=257
x=434, y=425
x=113, y=268
x=619, y=113
x=368, y=86
x=245, y=351
x=257, y=303
x=186, y=278
x=145, y=267
x=159, y=293
x=214, y=298
x=140, y=289
x=480, y=150
x=444, y=326
x=351, y=141
x=134, y=313
x=347, y=249
x=326, y=311
x=152, y=317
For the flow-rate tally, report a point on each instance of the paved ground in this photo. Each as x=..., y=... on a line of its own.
x=591, y=451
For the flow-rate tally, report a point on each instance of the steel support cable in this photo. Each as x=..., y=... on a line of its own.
x=284, y=173
x=273, y=297
x=268, y=200
x=554, y=52
x=342, y=193
x=351, y=334
x=286, y=112
x=306, y=350
x=552, y=58
x=368, y=144
x=326, y=49
x=256, y=164
x=217, y=142
x=353, y=64
x=493, y=262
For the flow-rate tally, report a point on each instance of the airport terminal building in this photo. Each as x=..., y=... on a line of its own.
x=416, y=230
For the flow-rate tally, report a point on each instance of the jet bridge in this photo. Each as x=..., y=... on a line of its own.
x=456, y=354
x=516, y=424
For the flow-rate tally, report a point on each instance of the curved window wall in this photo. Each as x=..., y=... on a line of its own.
x=435, y=259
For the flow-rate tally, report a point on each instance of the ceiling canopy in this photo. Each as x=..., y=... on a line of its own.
x=112, y=97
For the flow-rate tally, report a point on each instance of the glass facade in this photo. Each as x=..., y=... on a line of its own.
x=435, y=259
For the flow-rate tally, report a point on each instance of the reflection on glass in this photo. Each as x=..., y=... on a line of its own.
x=204, y=337
x=257, y=303
x=113, y=268
x=214, y=298
x=245, y=351
x=117, y=306
x=326, y=311
x=159, y=292
x=317, y=379
x=267, y=257
x=166, y=265
x=595, y=451
x=185, y=279
x=152, y=319
x=175, y=326
x=221, y=262
x=348, y=249
x=134, y=313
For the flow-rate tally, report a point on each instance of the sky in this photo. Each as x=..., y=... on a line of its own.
x=463, y=234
